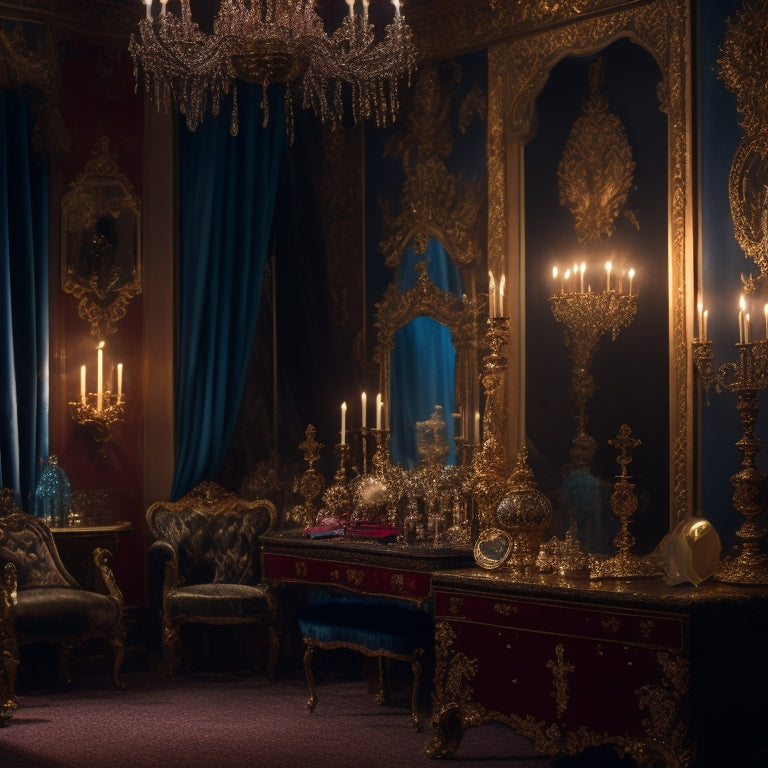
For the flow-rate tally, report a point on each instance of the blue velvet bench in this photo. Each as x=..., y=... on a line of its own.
x=377, y=627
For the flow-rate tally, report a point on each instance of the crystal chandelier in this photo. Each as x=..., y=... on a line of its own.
x=274, y=41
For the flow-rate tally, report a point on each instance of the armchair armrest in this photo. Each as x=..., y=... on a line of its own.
x=102, y=558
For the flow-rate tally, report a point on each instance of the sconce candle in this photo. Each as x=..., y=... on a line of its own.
x=379, y=405
x=746, y=328
x=82, y=385
x=477, y=427
x=100, y=378
x=608, y=276
x=501, y=295
x=704, y=327
x=581, y=277
x=491, y=295
x=631, y=275
x=742, y=307
x=364, y=403
x=701, y=320
x=119, y=382
x=343, y=423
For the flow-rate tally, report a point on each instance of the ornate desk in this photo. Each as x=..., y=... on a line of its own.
x=363, y=566
x=671, y=676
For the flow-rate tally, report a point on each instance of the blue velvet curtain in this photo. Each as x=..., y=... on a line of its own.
x=227, y=188
x=23, y=300
x=423, y=372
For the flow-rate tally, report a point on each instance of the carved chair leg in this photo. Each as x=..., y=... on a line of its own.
x=416, y=670
x=274, y=651
x=118, y=654
x=382, y=694
x=171, y=643
x=65, y=652
x=312, y=700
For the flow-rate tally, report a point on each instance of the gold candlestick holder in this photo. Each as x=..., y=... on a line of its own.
x=98, y=420
x=337, y=498
x=746, y=377
x=624, y=564
x=312, y=482
x=488, y=460
x=586, y=318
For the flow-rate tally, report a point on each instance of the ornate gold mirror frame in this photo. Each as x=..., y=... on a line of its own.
x=101, y=241
x=517, y=72
x=459, y=315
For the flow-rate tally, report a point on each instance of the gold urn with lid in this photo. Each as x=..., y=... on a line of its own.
x=525, y=513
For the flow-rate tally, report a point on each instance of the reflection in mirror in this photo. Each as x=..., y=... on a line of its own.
x=423, y=373
x=627, y=376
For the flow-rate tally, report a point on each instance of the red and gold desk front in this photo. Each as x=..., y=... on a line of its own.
x=365, y=567
x=662, y=674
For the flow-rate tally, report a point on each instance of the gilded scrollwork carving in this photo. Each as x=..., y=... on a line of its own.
x=744, y=70
x=597, y=168
x=435, y=202
x=101, y=241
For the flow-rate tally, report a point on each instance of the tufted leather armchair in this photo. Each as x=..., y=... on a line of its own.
x=41, y=601
x=206, y=548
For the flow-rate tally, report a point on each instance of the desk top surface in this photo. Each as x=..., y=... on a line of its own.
x=418, y=556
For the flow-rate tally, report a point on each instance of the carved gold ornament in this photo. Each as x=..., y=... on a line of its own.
x=743, y=68
x=101, y=241
x=597, y=169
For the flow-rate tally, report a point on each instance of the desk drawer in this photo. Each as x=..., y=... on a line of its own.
x=570, y=620
x=358, y=577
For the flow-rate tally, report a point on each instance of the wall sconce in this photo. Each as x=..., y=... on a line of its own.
x=98, y=411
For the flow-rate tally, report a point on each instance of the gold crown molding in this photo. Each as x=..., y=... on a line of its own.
x=435, y=202
x=446, y=28
x=33, y=69
x=744, y=70
x=518, y=71
x=597, y=168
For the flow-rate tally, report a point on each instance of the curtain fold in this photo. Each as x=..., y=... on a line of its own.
x=24, y=357
x=423, y=372
x=227, y=189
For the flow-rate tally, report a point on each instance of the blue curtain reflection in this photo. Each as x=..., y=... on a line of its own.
x=423, y=362
x=24, y=390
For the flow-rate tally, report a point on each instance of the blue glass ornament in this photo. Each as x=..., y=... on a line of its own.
x=53, y=494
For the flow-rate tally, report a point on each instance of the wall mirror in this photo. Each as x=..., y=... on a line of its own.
x=101, y=245
x=525, y=216
x=427, y=355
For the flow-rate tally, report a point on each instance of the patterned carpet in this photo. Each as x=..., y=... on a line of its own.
x=225, y=720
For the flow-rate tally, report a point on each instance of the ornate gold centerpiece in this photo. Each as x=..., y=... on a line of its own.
x=525, y=513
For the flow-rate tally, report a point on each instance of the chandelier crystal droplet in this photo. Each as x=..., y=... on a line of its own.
x=274, y=41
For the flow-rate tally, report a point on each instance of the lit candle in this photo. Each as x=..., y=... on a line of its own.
x=163, y=3
x=567, y=281
x=742, y=305
x=82, y=378
x=701, y=320
x=491, y=295
x=100, y=377
x=704, y=329
x=631, y=275
x=364, y=401
x=396, y=3
x=477, y=427
x=366, y=3
x=148, y=3
x=351, y=4
x=746, y=328
x=379, y=405
x=343, y=423
x=119, y=382
x=501, y=295
x=554, y=281
x=607, y=275
x=581, y=273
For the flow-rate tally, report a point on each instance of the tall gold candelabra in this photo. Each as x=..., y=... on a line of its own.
x=587, y=317
x=489, y=464
x=745, y=377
